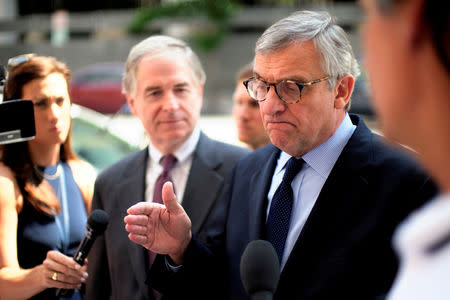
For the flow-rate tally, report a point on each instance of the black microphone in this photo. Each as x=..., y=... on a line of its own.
x=95, y=226
x=260, y=270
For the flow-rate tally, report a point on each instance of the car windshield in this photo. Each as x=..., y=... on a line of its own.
x=97, y=145
x=97, y=141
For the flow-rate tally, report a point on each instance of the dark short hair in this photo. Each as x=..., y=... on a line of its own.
x=245, y=72
x=436, y=16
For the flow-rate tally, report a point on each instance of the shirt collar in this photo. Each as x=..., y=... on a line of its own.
x=182, y=153
x=323, y=157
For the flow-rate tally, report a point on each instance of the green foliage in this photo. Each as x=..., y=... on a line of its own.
x=216, y=12
x=208, y=41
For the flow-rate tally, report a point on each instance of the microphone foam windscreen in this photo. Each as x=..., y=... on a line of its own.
x=98, y=220
x=260, y=269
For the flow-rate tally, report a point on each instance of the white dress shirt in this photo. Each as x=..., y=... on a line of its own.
x=308, y=183
x=423, y=243
x=180, y=171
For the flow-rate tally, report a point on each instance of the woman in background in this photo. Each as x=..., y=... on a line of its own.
x=45, y=189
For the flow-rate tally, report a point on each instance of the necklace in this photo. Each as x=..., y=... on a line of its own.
x=48, y=176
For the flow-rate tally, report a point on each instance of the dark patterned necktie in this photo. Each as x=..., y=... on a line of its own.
x=167, y=162
x=279, y=218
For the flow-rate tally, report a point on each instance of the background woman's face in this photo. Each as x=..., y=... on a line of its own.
x=51, y=108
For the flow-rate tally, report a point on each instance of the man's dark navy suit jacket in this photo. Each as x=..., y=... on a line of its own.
x=344, y=250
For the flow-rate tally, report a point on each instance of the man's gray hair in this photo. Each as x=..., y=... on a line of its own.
x=329, y=39
x=157, y=45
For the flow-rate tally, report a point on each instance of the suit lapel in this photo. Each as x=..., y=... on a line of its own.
x=203, y=184
x=258, y=200
x=132, y=188
x=130, y=192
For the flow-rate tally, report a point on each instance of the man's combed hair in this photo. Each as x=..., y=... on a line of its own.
x=156, y=45
x=245, y=72
x=329, y=39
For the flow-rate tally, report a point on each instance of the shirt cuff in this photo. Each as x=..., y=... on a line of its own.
x=170, y=265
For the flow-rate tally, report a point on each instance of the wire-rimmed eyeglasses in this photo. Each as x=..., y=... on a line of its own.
x=288, y=90
x=18, y=60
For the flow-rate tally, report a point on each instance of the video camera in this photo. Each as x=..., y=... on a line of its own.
x=16, y=118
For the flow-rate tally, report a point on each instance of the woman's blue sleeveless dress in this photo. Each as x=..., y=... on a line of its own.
x=37, y=233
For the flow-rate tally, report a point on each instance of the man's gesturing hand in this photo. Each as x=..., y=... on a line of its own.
x=163, y=229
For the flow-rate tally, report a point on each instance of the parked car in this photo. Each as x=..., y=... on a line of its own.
x=104, y=139
x=99, y=87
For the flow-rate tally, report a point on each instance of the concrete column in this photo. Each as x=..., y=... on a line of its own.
x=8, y=11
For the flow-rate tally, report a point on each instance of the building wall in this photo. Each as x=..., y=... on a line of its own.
x=101, y=36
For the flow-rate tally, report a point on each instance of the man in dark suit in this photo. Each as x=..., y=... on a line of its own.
x=341, y=189
x=163, y=83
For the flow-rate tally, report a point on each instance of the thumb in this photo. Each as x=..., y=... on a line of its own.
x=169, y=198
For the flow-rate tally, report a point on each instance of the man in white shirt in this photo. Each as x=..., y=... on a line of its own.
x=163, y=83
x=407, y=47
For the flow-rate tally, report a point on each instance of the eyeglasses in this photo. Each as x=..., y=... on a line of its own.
x=18, y=60
x=288, y=90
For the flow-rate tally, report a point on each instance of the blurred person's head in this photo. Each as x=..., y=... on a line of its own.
x=163, y=84
x=44, y=81
x=311, y=60
x=246, y=113
x=407, y=54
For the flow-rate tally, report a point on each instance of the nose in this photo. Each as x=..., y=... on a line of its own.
x=272, y=104
x=54, y=111
x=171, y=102
x=241, y=111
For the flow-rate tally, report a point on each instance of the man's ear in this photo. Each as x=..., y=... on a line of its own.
x=343, y=90
x=200, y=93
x=131, y=103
